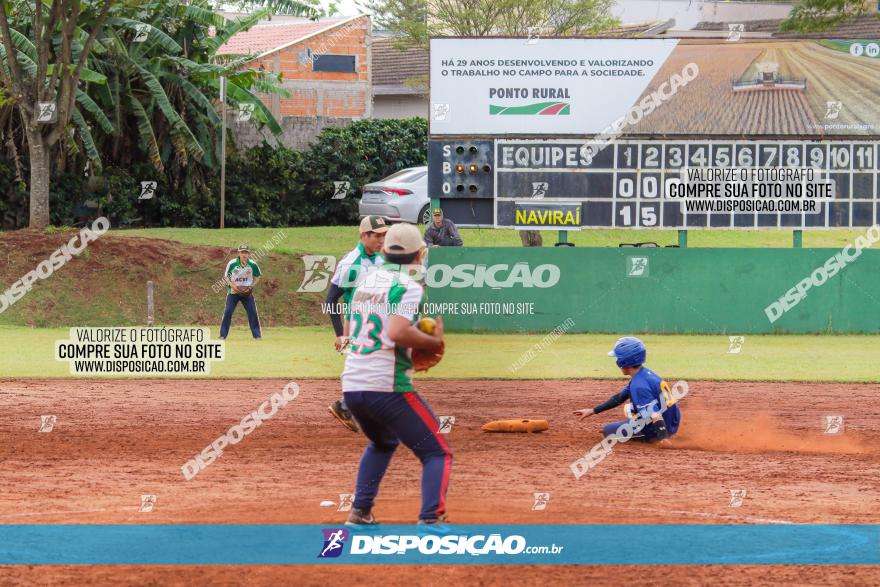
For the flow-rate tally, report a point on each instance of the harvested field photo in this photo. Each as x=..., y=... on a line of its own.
x=768, y=88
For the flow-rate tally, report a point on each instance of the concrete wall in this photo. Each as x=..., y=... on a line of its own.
x=400, y=106
x=695, y=291
x=299, y=131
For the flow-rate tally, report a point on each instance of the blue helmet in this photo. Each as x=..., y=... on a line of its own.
x=629, y=352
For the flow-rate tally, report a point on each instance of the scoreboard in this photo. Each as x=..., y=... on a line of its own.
x=572, y=183
x=655, y=133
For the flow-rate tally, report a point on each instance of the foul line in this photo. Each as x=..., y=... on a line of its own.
x=135, y=508
x=704, y=515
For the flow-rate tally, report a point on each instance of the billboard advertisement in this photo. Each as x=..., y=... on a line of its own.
x=658, y=87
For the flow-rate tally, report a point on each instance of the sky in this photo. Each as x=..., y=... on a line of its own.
x=345, y=7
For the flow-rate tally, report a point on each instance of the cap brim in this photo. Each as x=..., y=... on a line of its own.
x=611, y=354
x=380, y=229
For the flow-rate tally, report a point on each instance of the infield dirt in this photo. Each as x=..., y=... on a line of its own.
x=116, y=440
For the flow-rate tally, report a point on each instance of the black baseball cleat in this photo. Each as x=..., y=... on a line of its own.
x=343, y=415
x=359, y=517
x=439, y=525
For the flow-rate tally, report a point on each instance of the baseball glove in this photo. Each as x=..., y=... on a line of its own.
x=245, y=291
x=424, y=359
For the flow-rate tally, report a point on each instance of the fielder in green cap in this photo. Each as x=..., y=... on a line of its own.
x=242, y=275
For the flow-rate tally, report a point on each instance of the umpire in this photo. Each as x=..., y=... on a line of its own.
x=242, y=275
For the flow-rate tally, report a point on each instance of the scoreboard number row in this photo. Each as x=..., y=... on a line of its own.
x=625, y=183
x=647, y=215
x=825, y=156
x=819, y=155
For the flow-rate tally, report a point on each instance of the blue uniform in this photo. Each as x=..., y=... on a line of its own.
x=648, y=392
x=388, y=419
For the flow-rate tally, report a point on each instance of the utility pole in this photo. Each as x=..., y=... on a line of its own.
x=223, y=152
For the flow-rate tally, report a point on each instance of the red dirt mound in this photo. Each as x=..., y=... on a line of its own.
x=106, y=284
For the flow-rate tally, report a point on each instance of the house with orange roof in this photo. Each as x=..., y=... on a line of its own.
x=325, y=64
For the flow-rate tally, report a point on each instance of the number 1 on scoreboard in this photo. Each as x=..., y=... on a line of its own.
x=628, y=156
x=626, y=213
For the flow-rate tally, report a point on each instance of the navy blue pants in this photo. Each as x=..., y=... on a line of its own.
x=387, y=419
x=610, y=429
x=250, y=306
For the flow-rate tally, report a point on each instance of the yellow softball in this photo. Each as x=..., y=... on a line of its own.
x=427, y=325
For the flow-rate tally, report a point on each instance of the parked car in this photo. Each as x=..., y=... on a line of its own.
x=402, y=196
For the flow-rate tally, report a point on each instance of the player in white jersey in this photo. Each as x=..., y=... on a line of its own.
x=377, y=382
x=350, y=270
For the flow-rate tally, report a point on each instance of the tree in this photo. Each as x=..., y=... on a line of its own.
x=163, y=79
x=123, y=82
x=416, y=21
x=44, y=85
x=308, y=8
x=819, y=15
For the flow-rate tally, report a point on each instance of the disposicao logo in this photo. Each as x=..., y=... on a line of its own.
x=469, y=275
x=334, y=540
x=443, y=545
x=430, y=544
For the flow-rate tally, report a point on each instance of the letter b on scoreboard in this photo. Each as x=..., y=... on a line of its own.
x=461, y=172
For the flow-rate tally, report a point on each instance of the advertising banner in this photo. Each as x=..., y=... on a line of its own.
x=655, y=87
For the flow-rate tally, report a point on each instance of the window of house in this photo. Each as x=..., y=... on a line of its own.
x=334, y=63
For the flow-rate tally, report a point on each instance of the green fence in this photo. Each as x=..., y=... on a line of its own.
x=656, y=290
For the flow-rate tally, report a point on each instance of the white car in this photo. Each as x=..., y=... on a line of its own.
x=402, y=196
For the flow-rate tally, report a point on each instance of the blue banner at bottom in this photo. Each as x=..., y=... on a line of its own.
x=601, y=544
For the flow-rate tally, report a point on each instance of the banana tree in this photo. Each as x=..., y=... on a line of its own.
x=163, y=75
x=44, y=52
x=125, y=82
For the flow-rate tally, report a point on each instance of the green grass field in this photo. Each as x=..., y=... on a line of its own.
x=307, y=352
x=185, y=263
x=338, y=240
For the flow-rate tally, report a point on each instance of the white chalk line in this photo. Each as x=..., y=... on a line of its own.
x=752, y=519
x=71, y=512
x=700, y=515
